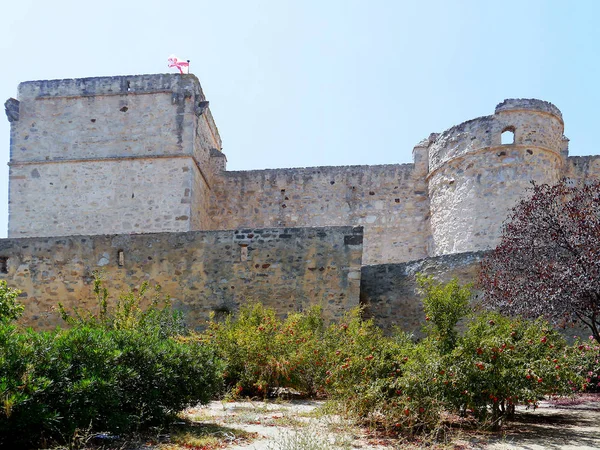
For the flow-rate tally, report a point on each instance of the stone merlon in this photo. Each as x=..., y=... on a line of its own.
x=11, y=107
x=529, y=104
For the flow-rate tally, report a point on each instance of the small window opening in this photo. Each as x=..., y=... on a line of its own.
x=3, y=264
x=508, y=136
x=120, y=258
x=221, y=313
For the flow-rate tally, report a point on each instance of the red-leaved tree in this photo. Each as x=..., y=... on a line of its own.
x=548, y=261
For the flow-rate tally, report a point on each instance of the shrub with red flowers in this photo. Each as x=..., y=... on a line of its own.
x=378, y=379
x=585, y=360
x=495, y=364
x=483, y=371
x=502, y=362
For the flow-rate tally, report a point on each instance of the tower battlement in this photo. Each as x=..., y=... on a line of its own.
x=528, y=104
x=187, y=85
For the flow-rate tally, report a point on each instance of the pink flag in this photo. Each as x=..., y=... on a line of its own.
x=183, y=66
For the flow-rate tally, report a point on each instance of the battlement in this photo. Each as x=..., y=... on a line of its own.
x=116, y=85
x=516, y=116
x=529, y=104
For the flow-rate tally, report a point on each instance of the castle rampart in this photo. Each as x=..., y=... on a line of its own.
x=204, y=272
x=140, y=154
x=131, y=167
x=390, y=201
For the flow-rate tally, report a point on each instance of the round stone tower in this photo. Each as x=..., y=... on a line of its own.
x=479, y=169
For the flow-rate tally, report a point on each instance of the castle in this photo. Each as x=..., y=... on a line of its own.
x=125, y=175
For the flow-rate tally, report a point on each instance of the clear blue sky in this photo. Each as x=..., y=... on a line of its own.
x=322, y=82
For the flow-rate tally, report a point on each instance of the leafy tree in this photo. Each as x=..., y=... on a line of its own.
x=548, y=261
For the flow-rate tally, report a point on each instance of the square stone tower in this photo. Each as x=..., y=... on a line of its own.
x=126, y=154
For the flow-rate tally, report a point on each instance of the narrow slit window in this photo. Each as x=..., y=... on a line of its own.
x=3, y=264
x=121, y=258
x=508, y=136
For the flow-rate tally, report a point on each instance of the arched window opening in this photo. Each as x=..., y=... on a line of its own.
x=508, y=136
x=3, y=264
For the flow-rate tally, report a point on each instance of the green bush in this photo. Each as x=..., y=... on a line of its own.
x=494, y=365
x=444, y=305
x=382, y=380
x=263, y=352
x=119, y=371
x=367, y=375
x=483, y=371
x=145, y=309
x=585, y=360
x=53, y=384
x=25, y=416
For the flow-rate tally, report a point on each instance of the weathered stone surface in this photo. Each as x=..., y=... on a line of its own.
x=474, y=180
x=390, y=292
x=113, y=155
x=203, y=272
x=142, y=154
x=390, y=201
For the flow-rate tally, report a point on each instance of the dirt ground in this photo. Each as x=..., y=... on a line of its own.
x=554, y=425
x=300, y=425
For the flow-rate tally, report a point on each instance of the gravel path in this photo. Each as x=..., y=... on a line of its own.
x=299, y=425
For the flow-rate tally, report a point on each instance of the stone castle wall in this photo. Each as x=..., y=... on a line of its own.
x=140, y=154
x=391, y=295
x=203, y=271
x=390, y=201
x=94, y=197
x=97, y=159
x=583, y=168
